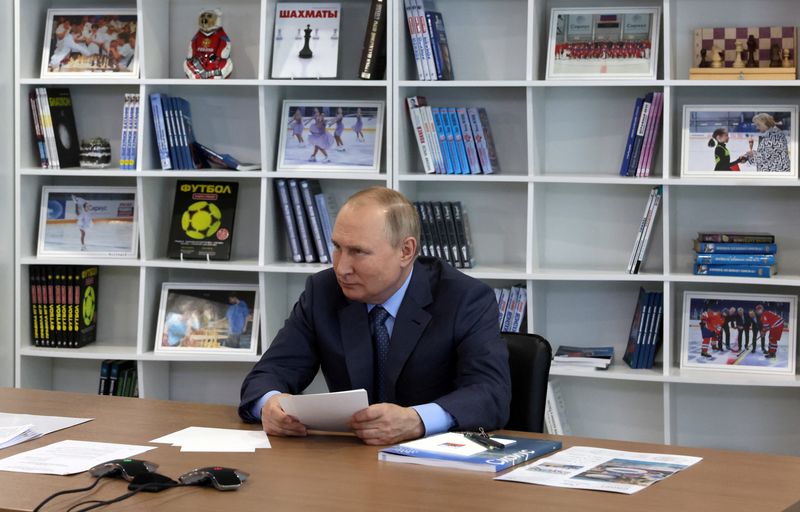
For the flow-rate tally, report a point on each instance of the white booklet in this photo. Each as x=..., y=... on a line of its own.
x=305, y=43
x=598, y=469
x=326, y=411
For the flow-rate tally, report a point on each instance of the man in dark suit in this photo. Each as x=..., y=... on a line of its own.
x=421, y=337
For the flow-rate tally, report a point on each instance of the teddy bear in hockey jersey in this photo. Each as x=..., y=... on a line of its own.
x=209, y=49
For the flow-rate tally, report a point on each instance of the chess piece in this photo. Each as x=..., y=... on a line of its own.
x=716, y=58
x=787, y=63
x=752, y=45
x=775, y=60
x=210, y=48
x=306, y=52
x=703, y=62
x=738, y=62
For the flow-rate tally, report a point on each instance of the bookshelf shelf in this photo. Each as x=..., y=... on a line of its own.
x=557, y=217
x=196, y=358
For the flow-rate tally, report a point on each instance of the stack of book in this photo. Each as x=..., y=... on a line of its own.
x=453, y=140
x=599, y=358
x=445, y=232
x=645, y=229
x=428, y=42
x=645, y=334
x=130, y=132
x=308, y=219
x=735, y=254
x=511, y=304
x=643, y=136
x=118, y=378
x=63, y=305
x=53, y=123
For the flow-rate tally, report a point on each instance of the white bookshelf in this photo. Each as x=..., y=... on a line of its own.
x=557, y=217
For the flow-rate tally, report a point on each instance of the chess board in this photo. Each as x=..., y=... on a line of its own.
x=726, y=37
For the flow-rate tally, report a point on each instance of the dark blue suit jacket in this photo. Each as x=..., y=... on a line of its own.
x=445, y=347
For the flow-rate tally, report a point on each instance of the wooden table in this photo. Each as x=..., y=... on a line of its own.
x=331, y=473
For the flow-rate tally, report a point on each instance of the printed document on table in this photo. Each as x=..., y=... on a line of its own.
x=37, y=426
x=69, y=457
x=325, y=411
x=582, y=467
x=206, y=439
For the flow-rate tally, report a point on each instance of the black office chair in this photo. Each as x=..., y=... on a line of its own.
x=529, y=357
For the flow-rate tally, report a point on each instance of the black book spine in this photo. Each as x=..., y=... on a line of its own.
x=90, y=299
x=434, y=247
x=308, y=189
x=461, y=235
x=34, y=306
x=452, y=240
x=441, y=229
x=288, y=220
x=424, y=231
x=302, y=222
x=373, y=38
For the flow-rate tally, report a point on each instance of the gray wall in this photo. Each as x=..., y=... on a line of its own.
x=7, y=193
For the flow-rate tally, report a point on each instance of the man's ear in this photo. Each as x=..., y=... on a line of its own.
x=408, y=248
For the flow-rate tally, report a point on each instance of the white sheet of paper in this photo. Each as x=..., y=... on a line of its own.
x=41, y=424
x=325, y=411
x=68, y=457
x=216, y=439
x=9, y=433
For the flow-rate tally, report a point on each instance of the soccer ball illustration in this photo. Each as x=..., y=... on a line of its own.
x=201, y=220
x=88, y=305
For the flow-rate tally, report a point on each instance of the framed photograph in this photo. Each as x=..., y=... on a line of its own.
x=88, y=222
x=739, y=141
x=208, y=318
x=739, y=332
x=590, y=43
x=331, y=135
x=79, y=42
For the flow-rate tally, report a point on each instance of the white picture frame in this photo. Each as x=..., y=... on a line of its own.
x=104, y=42
x=361, y=144
x=97, y=222
x=191, y=319
x=603, y=49
x=699, y=306
x=702, y=155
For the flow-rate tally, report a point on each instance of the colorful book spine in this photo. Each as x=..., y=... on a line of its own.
x=469, y=141
x=737, y=238
x=160, y=128
x=640, y=130
x=653, y=144
x=443, y=46
x=426, y=46
x=649, y=132
x=735, y=270
x=502, y=305
x=642, y=225
x=483, y=115
x=735, y=248
x=519, y=311
x=626, y=158
x=420, y=135
x=441, y=136
x=434, y=35
x=451, y=141
x=430, y=132
x=651, y=220
x=47, y=126
x=413, y=33
x=735, y=259
x=38, y=133
x=455, y=126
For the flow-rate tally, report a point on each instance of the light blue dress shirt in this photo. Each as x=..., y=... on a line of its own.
x=434, y=418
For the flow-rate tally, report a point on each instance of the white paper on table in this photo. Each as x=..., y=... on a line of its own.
x=216, y=439
x=69, y=457
x=599, y=469
x=10, y=433
x=452, y=443
x=41, y=424
x=209, y=448
x=325, y=411
x=28, y=435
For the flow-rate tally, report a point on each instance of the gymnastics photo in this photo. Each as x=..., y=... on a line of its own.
x=638, y=473
x=739, y=141
x=331, y=135
x=595, y=43
x=739, y=332
x=78, y=42
x=88, y=222
x=208, y=318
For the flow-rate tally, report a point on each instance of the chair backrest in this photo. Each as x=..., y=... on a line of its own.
x=529, y=358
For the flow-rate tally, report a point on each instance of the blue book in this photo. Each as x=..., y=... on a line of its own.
x=160, y=128
x=188, y=147
x=734, y=248
x=735, y=270
x=654, y=339
x=454, y=450
x=433, y=33
x=325, y=219
x=172, y=131
x=222, y=159
x=451, y=141
x=636, y=324
x=637, y=110
x=640, y=132
x=735, y=259
x=455, y=126
x=566, y=352
x=442, y=135
x=288, y=220
x=641, y=339
x=303, y=230
x=308, y=189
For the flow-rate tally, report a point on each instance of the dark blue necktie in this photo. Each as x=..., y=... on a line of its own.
x=380, y=337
